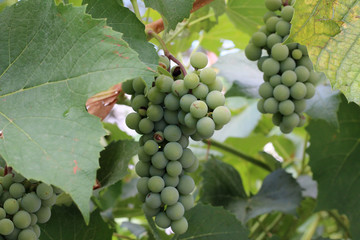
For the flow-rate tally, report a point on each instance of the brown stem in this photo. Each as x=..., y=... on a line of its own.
x=175, y=60
x=158, y=25
x=119, y=236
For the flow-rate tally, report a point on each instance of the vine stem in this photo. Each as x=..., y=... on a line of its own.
x=119, y=236
x=236, y=152
x=136, y=8
x=303, y=164
x=339, y=221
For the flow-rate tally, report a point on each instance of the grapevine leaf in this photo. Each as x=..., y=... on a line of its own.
x=331, y=31
x=334, y=160
x=246, y=15
x=130, y=207
x=134, y=228
x=114, y=161
x=66, y=223
x=106, y=197
x=54, y=58
x=324, y=105
x=123, y=20
x=115, y=134
x=172, y=11
x=207, y=223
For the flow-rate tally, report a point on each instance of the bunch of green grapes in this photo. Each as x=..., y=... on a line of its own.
x=23, y=205
x=288, y=71
x=175, y=108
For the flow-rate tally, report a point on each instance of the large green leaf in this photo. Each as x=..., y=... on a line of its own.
x=66, y=223
x=52, y=58
x=123, y=20
x=334, y=160
x=208, y=223
x=172, y=11
x=331, y=31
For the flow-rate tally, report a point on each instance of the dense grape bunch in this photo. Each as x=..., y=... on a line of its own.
x=288, y=72
x=23, y=205
x=166, y=115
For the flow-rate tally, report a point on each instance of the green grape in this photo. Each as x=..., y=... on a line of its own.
x=155, y=96
x=314, y=77
x=2, y=213
x=169, y=195
x=187, y=159
x=266, y=78
x=172, y=133
x=164, y=83
x=171, y=102
x=162, y=220
x=44, y=191
x=193, y=167
x=171, y=181
x=201, y=91
x=272, y=40
x=156, y=171
x=159, y=160
x=142, y=169
x=303, y=49
x=306, y=62
x=252, y=52
x=261, y=61
x=196, y=137
x=33, y=218
x=273, y=5
x=151, y=147
x=216, y=86
x=288, y=78
x=215, y=99
x=1, y=189
x=302, y=121
x=187, y=131
x=205, y=127
x=186, y=185
x=132, y=120
x=175, y=211
x=160, y=125
x=146, y=126
x=16, y=190
x=187, y=201
x=142, y=185
x=310, y=90
x=37, y=230
x=287, y=13
x=6, y=181
x=191, y=80
x=300, y=105
x=296, y=54
x=143, y=156
x=287, y=64
x=127, y=87
x=6, y=226
x=173, y=151
x=22, y=219
x=11, y=206
x=270, y=67
x=13, y=235
x=267, y=15
x=181, y=117
x=17, y=177
x=290, y=121
x=27, y=234
x=259, y=39
x=4, y=196
x=198, y=109
x=279, y=52
x=174, y=168
x=183, y=141
x=142, y=112
x=286, y=107
x=277, y=118
x=49, y=202
x=207, y=76
x=271, y=23
x=281, y=92
x=171, y=117
x=198, y=60
x=179, y=226
x=260, y=106
x=266, y=90
x=151, y=212
x=285, y=129
x=302, y=73
x=264, y=30
x=178, y=88
x=186, y=101
x=221, y=115
x=275, y=80
x=139, y=101
x=283, y=28
x=156, y=184
x=164, y=61
x=298, y=91
x=138, y=85
x=271, y=105
x=155, y=112
x=153, y=200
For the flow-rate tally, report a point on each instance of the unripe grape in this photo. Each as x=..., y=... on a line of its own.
x=305, y=61
x=142, y=185
x=281, y=92
x=303, y=49
x=159, y=160
x=151, y=212
x=272, y=40
x=186, y=101
x=44, y=191
x=273, y=5
x=261, y=61
x=191, y=80
x=282, y=28
x=287, y=13
x=291, y=120
x=186, y=185
x=162, y=220
x=275, y=80
x=6, y=181
x=156, y=171
x=314, y=77
x=155, y=112
x=302, y=73
x=169, y=195
x=179, y=89
x=267, y=15
x=216, y=86
x=173, y=151
x=215, y=99
x=287, y=64
x=298, y=91
x=174, y=168
x=205, y=127
x=193, y=167
x=277, y=119
x=164, y=83
x=190, y=121
x=27, y=234
x=156, y=184
x=132, y=120
x=288, y=78
x=127, y=87
x=198, y=60
x=179, y=226
x=310, y=90
x=270, y=67
x=2, y=213
x=139, y=101
x=17, y=190
x=198, y=109
x=252, y=52
x=22, y=219
x=187, y=159
x=175, y=211
x=151, y=147
x=201, y=91
x=6, y=226
x=271, y=105
x=279, y=52
x=221, y=115
x=146, y=125
x=286, y=107
x=300, y=105
x=165, y=62
x=271, y=24
x=11, y=206
x=153, y=200
x=171, y=181
x=143, y=156
x=36, y=229
x=160, y=125
x=142, y=169
x=296, y=54
x=155, y=96
x=171, y=102
x=260, y=106
x=207, y=76
x=138, y=85
x=187, y=201
x=266, y=90
x=259, y=39
x=183, y=141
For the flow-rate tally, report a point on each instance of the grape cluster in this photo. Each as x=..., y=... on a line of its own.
x=175, y=108
x=23, y=205
x=288, y=71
